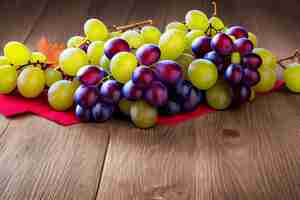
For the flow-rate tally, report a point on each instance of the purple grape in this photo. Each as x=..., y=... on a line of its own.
x=83, y=114
x=234, y=74
x=201, y=46
x=241, y=94
x=196, y=97
x=169, y=72
x=238, y=32
x=110, y=92
x=251, y=77
x=143, y=76
x=183, y=89
x=171, y=108
x=252, y=61
x=102, y=112
x=217, y=59
x=84, y=47
x=243, y=46
x=131, y=91
x=222, y=44
x=114, y=46
x=86, y=96
x=91, y=75
x=156, y=94
x=148, y=54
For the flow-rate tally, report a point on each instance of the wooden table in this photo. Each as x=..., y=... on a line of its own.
x=250, y=153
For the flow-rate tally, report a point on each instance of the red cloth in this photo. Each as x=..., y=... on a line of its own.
x=12, y=105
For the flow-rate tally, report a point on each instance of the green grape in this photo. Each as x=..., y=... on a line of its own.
x=8, y=79
x=95, y=52
x=95, y=30
x=4, y=60
x=184, y=60
x=219, y=96
x=151, y=34
x=17, y=53
x=232, y=38
x=124, y=106
x=177, y=25
x=291, y=77
x=253, y=39
x=122, y=66
x=196, y=19
x=71, y=60
x=31, y=82
x=191, y=36
x=267, y=80
x=115, y=34
x=216, y=23
x=203, y=74
x=253, y=95
x=134, y=39
x=104, y=63
x=38, y=57
x=172, y=44
x=236, y=58
x=52, y=76
x=269, y=59
x=75, y=41
x=60, y=95
x=143, y=115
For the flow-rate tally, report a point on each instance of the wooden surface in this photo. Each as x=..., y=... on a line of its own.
x=252, y=153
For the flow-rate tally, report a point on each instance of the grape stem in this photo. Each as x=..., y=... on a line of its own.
x=296, y=55
x=132, y=26
x=215, y=8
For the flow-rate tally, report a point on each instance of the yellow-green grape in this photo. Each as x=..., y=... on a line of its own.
x=191, y=36
x=232, y=37
x=253, y=95
x=203, y=74
x=31, y=82
x=4, y=60
x=52, y=76
x=115, y=34
x=95, y=52
x=122, y=66
x=17, y=53
x=75, y=41
x=125, y=106
x=236, y=58
x=172, y=44
x=291, y=77
x=76, y=83
x=143, y=115
x=253, y=39
x=60, y=95
x=8, y=79
x=184, y=60
x=134, y=38
x=38, y=57
x=104, y=63
x=95, y=30
x=219, y=96
x=269, y=59
x=177, y=25
x=267, y=80
x=151, y=34
x=71, y=60
x=216, y=23
x=196, y=19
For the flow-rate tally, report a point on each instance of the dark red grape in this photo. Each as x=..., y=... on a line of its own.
x=201, y=46
x=252, y=61
x=222, y=44
x=83, y=114
x=156, y=94
x=241, y=94
x=196, y=97
x=131, y=91
x=169, y=72
x=102, y=112
x=110, y=92
x=148, y=54
x=143, y=76
x=251, y=77
x=114, y=46
x=171, y=108
x=217, y=59
x=238, y=32
x=91, y=75
x=84, y=47
x=234, y=74
x=86, y=96
x=183, y=89
x=243, y=46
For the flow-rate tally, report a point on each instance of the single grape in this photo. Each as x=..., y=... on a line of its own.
x=38, y=57
x=268, y=59
x=95, y=51
x=75, y=41
x=143, y=115
x=31, y=82
x=125, y=106
x=71, y=60
x=17, y=53
x=184, y=61
x=169, y=72
x=148, y=54
x=143, y=76
x=190, y=104
x=252, y=61
x=151, y=34
x=95, y=30
x=222, y=44
x=243, y=46
x=234, y=74
x=83, y=114
x=203, y=74
x=267, y=80
x=102, y=112
x=217, y=59
x=235, y=58
x=216, y=23
x=156, y=94
x=251, y=77
x=183, y=89
x=171, y=108
x=8, y=79
x=238, y=32
x=52, y=76
x=291, y=77
x=196, y=19
x=104, y=63
x=91, y=75
x=131, y=91
x=172, y=44
x=178, y=26
x=134, y=38
x=219, y=96
x=253, y=39
x=86, y=96
x=4, y=60
x=114, y=46
x=122, y=66
x=190, y=37
x=110, y=92
x=201, y=46
x=60, y=95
